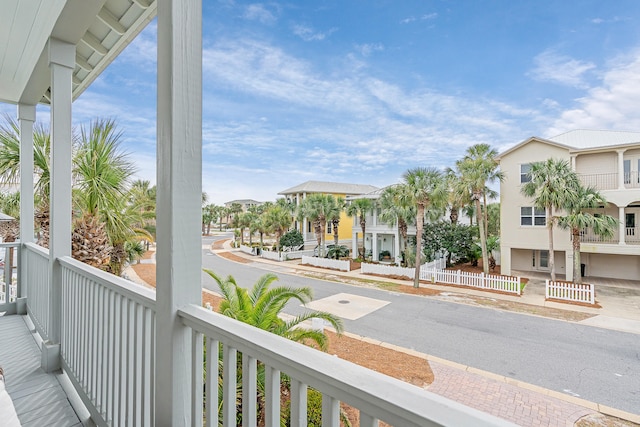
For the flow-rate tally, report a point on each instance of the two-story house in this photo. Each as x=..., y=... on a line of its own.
x=606, y=160
x=298, y=193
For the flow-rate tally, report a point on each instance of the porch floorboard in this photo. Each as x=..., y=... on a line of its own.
x=38, y=397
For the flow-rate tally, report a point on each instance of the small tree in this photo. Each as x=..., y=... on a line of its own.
x=359, y=208
x=580, y=216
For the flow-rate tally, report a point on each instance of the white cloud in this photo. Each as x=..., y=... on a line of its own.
x=561, y=69
x=368, y=48
x=614, y=104
x=258, y=12
x=308, y=34
x=425, y=17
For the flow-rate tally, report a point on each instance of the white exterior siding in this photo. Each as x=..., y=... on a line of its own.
x=599, y=166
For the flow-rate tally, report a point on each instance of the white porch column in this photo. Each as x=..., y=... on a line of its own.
x=179, y=178
x=26, y=118
x=568, y=265
x=354, y=244
x=505, y=260
x=396, y=246
x=305, y=220
x=620, y=169
x=61, y=63
x=573, y=162
x=374, y=247
x=622, y=229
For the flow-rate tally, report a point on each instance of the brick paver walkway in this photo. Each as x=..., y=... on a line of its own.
x=515, y=404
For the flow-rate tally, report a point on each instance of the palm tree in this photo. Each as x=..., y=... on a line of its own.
x=478, y=168
x=261, y=306
x=394, y=212
x=424, y=188
x=277, y=220
x=102, y=173
x=579, y=217
x=552, y=184
x=10, y=168
x=334, y=215
x=319, y=208
x=359, y=208
x=459, y=197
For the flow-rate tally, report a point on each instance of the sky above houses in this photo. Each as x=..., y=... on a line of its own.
x=360, y=91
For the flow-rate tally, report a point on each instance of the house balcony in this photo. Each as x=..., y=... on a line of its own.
x=108, y=347
x=610, y=181
x=631, y=237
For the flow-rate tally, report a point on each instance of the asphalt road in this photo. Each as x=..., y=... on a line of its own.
x=595, y=364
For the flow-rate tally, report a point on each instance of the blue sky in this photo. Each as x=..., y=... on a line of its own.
x=360, y=91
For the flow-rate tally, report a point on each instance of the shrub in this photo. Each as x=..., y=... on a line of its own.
x=291, y=239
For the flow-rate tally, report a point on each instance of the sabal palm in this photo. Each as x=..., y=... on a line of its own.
x=423, y=187
x=277, y=219
x=333, y=216
x=10, y=155
x=318, y=208
x=359, y=208
x=476, y=169
x=395, y=212
x=579, y=217
x=552, y=185
x=261, y=306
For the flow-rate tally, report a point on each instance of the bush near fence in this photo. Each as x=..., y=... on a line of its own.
x=569, y=291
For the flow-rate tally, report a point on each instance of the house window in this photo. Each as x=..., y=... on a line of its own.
x=532, y=216
x=329, y=227
x=524, y=173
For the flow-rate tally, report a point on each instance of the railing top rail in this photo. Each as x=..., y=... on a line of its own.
x=37, y=249
x=136, y=293
x=9, y=244
x=376, y=394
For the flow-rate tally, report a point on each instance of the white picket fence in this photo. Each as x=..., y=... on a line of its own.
x=247, y=249
x=475, y=280
x=390, y=270
x=566, y=291
x=342, y=265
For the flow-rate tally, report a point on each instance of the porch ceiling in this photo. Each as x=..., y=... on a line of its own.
x=100, y=30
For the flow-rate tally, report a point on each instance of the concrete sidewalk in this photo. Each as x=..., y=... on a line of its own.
x=522, y=403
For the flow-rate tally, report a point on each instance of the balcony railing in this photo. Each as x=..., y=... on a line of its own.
x=609, y=181
x=632, y=236
x=108, y=350
x=9, y=266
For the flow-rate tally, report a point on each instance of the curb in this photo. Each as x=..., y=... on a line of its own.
x=603, y=409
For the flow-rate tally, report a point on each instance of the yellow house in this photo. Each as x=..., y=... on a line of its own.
x=337, y=189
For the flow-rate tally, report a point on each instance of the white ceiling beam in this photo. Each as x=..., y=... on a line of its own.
x=111, y=21
x=143, y=3
x=92, y=41
x=82, y=62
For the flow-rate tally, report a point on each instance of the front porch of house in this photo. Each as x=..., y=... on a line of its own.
x=135, y=357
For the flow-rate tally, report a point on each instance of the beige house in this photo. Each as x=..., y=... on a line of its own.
x=606, y=160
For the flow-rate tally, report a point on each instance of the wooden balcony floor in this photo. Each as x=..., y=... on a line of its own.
x=38, y=397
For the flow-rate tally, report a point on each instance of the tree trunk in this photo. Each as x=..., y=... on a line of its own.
x=363, y=225
x=322, y=233
x=335, y=236
x=419, y=227
x=552, y=258
x=483, y=238
x=575, y=243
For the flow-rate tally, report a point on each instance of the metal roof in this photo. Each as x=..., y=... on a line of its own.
x=586, y=139
x=329, y=188
x=100, y=30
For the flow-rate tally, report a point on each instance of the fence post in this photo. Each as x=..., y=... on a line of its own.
x=483, y=281
x=592, y=290
x=433, y=275
x=546, y=289
x=518, y=285
x=458, y=278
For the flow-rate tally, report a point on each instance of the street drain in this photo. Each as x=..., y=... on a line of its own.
x=343, y=301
